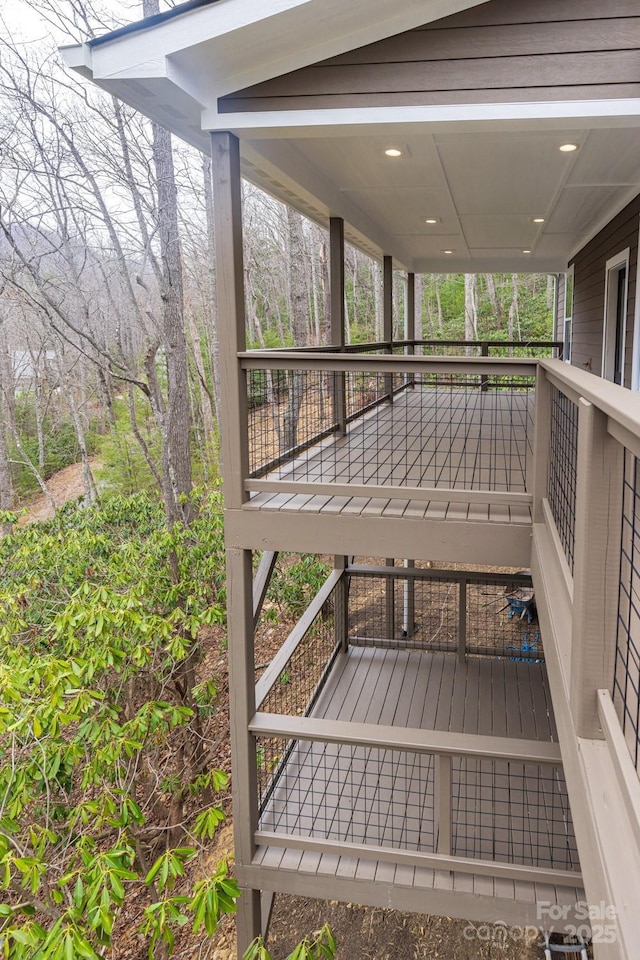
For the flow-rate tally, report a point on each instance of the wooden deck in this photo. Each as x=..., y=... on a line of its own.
x=462, y=440
x=505, y=811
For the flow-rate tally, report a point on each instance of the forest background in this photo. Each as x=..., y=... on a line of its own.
x=112, y=782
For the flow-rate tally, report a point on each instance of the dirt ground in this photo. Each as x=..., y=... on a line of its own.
x=63, y=486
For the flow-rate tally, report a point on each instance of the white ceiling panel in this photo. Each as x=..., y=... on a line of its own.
x=504, y=176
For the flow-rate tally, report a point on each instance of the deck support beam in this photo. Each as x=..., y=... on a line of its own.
x=262, y=580
x=341, y=604
x=227, y=201
x=410, y=321
x=243, y=744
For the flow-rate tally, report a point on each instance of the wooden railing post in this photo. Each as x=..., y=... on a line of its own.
x=462, y=622
x=484, y=352
x=409, y=611
x=336, y=274
x=341, y=605
x=387, y=318
x=596, y=566
x=443, y=802
x=410, y=322
x=390, y=603
x=538, y=462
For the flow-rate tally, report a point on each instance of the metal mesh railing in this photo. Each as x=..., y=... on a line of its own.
x=446, y=430
x=563, y=464
x=626, y=685
x=420, y=609
x=512, y=812
x=500, y=810
x=354, y=794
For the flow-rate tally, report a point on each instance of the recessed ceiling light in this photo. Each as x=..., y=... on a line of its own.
x=568, y=147
x=432, y=220
x=447, y=251
x=538, y=219
x=526, y=251
x=393, y=152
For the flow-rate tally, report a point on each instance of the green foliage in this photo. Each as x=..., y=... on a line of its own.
x=60, y=443
x=293, y=585
x=320, y=946
x=101, y=611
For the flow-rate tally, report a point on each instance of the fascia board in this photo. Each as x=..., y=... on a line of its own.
x=247, y=42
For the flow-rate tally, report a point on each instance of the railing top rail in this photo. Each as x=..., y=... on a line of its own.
x=619, y=403
x=284, y=360
x=405, y=738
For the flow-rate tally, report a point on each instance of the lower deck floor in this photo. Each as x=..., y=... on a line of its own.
x=376, y=809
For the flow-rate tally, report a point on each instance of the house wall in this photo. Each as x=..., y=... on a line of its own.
x=589, y=289
x=503, y=50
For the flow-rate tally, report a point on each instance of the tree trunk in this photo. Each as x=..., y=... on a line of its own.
x=513, y=312
x=176, y=428
x=470, y=310
x=298, y=312
x=493, y=297
x=438, y=303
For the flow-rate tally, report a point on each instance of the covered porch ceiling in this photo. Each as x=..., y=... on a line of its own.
x=484, y=173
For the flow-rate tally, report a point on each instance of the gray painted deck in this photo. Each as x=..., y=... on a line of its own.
x=457, y=439
x=504, y=811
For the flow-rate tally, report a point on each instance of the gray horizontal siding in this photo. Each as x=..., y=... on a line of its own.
x=589, y=289
x=500, y=51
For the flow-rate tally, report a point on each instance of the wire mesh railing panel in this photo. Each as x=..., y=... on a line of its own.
x=563, y=464
x=414, y=613
x=512, y=812
x=502, y=620
x=626, y=684
x=424, y=613
x=304, y=673
x=352, y=794
x=437, y=430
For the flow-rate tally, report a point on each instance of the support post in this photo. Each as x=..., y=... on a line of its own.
x=462, y=622
x=234, y=443
x=538, y=462
x=387, y=318
x=596, y=567
x=409, y=617
x=410, y=322
x=443, y=799
x=484, y=352
x=336, y=274
x=243, y=745
x=341, y=604
x=390, y=605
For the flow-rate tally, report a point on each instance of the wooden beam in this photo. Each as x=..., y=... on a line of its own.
x=404, y=738
x=387, y=318
x=225, y=154
x=369, y=363
x=538, y=465
x=439, y=494
x=336, y=273
x=336, y=277
x=419, y=858
x=627, y=775
x=262, y=580
x=243, y=745
x=447, y=541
